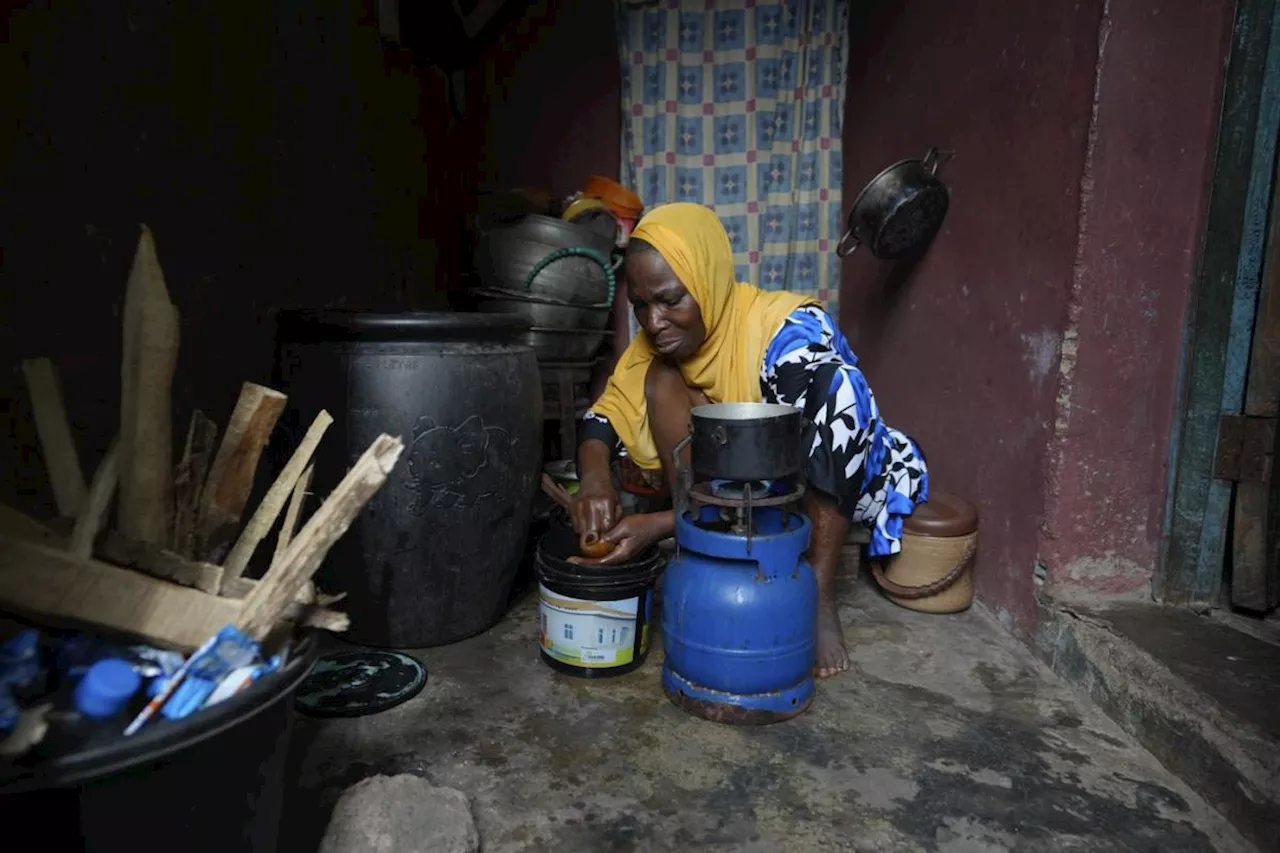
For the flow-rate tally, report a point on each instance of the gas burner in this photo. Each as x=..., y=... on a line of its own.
x=748, y=496
x=736, y=507
x=760, y=502
x=737, y=491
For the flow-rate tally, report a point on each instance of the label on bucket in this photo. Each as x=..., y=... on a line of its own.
x=592, y=634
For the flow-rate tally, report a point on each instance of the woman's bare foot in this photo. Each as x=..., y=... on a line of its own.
x=829, y=528
x=833, y=659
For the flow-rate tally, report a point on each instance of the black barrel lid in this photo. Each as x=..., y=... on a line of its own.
x=346, y=325
x=356, y=683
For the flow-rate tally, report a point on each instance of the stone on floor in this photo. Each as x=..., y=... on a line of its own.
x=400, y=814
x=947, y=736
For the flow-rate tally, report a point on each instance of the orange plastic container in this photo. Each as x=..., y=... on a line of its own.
x=625, y=204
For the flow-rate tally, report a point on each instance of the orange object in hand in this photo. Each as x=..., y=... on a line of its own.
x=591, y=545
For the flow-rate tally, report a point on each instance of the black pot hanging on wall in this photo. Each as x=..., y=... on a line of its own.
x=899, y=212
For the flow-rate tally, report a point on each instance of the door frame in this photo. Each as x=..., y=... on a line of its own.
x=1221, y=311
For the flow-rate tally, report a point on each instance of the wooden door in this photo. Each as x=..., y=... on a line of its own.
x=1255, y=535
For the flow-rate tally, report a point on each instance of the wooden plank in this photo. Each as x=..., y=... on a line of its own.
x=1262, y=392
x=1255, y=568
x=19, y=525
x=268, y=509
x=188, y=481
x=290, y=523
x=146, y=374
x=1270, y=561
x=241, y=587
x=307, y=609
x=51, y=584
x=317, y=617
x=56, y=444
x=1223, y=296
x=116, y=548
x=283, y=581
x=159, y=563
x=94, y=512
x=230, y=481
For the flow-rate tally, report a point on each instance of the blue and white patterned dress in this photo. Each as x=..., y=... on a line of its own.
x=876, y=473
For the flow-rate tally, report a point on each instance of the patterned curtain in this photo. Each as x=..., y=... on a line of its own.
x=738, y=104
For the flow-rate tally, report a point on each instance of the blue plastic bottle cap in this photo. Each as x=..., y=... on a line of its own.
x=105, y=688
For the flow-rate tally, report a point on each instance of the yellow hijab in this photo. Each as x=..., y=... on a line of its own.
x=740, y=319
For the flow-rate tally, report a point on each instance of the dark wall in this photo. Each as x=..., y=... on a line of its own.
x=544, y=108
x=281, y=159
x=1035, y=350
x=546, y=97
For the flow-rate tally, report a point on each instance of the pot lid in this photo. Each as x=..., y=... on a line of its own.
x=353, y=684
x=942, y=515
x=341, y=324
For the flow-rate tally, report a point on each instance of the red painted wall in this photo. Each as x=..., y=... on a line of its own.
x=962, y=352
x=1066, y=458
x=1160, y=80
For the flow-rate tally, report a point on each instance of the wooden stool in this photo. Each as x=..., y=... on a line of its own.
x=566, y=389
x=934, y=571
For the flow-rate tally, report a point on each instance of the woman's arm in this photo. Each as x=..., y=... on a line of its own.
x=595, y=508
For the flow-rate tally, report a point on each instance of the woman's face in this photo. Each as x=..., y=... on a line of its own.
x=664, y=308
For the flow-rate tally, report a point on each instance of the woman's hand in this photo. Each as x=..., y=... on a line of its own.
x=595, y=508
x=632, y=536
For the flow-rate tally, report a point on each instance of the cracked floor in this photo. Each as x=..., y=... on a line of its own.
x=946, y=736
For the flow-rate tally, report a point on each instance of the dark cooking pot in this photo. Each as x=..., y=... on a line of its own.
x=510, y=250
x=747, y=441
x=900, y=211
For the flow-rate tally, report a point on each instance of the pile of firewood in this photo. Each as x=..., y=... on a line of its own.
x=159, y=572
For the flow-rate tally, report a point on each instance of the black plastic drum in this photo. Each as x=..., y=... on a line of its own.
x=431, y=559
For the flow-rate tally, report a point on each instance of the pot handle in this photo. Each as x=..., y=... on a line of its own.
x=678, y=449
x=932, y=159
x=576, y=252
x=807, y=431
x=917, y=592
x=848, y=244
x=680, y=496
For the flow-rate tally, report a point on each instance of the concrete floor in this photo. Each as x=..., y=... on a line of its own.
x=1200, y=693
x=947, y=736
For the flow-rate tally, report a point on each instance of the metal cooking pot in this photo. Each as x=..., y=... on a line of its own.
x=565, y=346
x=544, y=313
x=508, y=251
x=747, y=441
x=900, y=211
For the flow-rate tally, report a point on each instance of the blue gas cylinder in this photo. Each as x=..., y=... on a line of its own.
x=739, y=619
